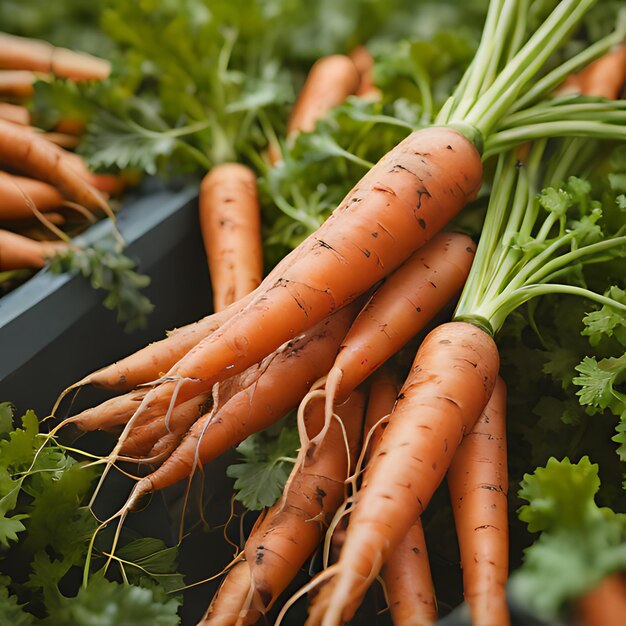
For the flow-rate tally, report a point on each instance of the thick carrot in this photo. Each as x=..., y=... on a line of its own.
x=399, y=309
x=17, y=83
x=478, y=484
x=18, y=194
x=451, y=380
x=605, y=605
x=293, y=527
x=407, y=577
x=20, y=53
x=18, y=252
x=24, y=150
x=259, y=401
x=15, y=113
x=231, y=229
x=329, y=82
x=364, y=63
x=402, y=202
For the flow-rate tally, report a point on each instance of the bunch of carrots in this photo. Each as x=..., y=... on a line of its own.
x=319, y=333
x=42, y=183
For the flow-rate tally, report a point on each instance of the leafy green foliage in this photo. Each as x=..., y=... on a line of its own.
x=267, y=462
x=46, y=528
x=580, y=542
x=124, y=605
x=110, y=270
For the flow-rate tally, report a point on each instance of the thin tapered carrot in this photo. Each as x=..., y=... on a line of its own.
x=364, y=63
x=399, y=309
x=18, y=192
x=20, y=53
x=111, y=184
x=400, y=204
x=451, y=380
x=293, y=527
x=17, y=83
x=407, y=577
x=329, y=82
x=605, y=605
x=32, y=154
x=478, y=484
x=18, y=252
x=256, y=402
x=231, y=229
x=63, y=140
x=409, y=583
x=15, y=113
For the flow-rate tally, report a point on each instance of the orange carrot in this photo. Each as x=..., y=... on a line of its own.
x=18, y=252
x=62, y=140
x=24, y=150
x=402, y=202
x=20, y=53
x=605, y=605
x=329, y=82
x=406, y=574
x=293, y=527
x=399, y=309
x=17, y=83
x=15, y=113
x=70, y=126
x=364, y=63
x=258, y=401
x=450, y=383
x=409, y=583
x=18, y=194
x=478, y=484
x=111, y=184
x=606, y=76
x=231, y=229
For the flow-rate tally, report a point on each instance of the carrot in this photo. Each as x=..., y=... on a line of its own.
x=478, y=484
x=399, y=309
x=606, y=76
x=24, y=150
x=111, y=184
x=15, y=113
x=20, y=53
x=329, y=82
x=18, y=194
x=18, y=252
x=451, y=380
x=605, y=605
x=409, y=582
x=231, y=229
x=293, y=527
x=62, y=140
x=407, y=577
x=258, y=401
x=70, y=126
x=377, y=227
x=17, y=83
x=364, y=63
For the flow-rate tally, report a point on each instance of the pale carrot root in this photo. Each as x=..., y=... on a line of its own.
x=449, y=385
x=20, y=53
x=15, y=113
x=17, y=83
x=18, y=252
x=478, y=484
x=231, y=229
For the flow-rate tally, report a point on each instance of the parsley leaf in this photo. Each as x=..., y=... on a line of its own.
x=266, y=466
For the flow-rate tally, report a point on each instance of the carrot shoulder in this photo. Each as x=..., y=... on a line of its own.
x=231, y=229
x=447, y=389
x=478, y=484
